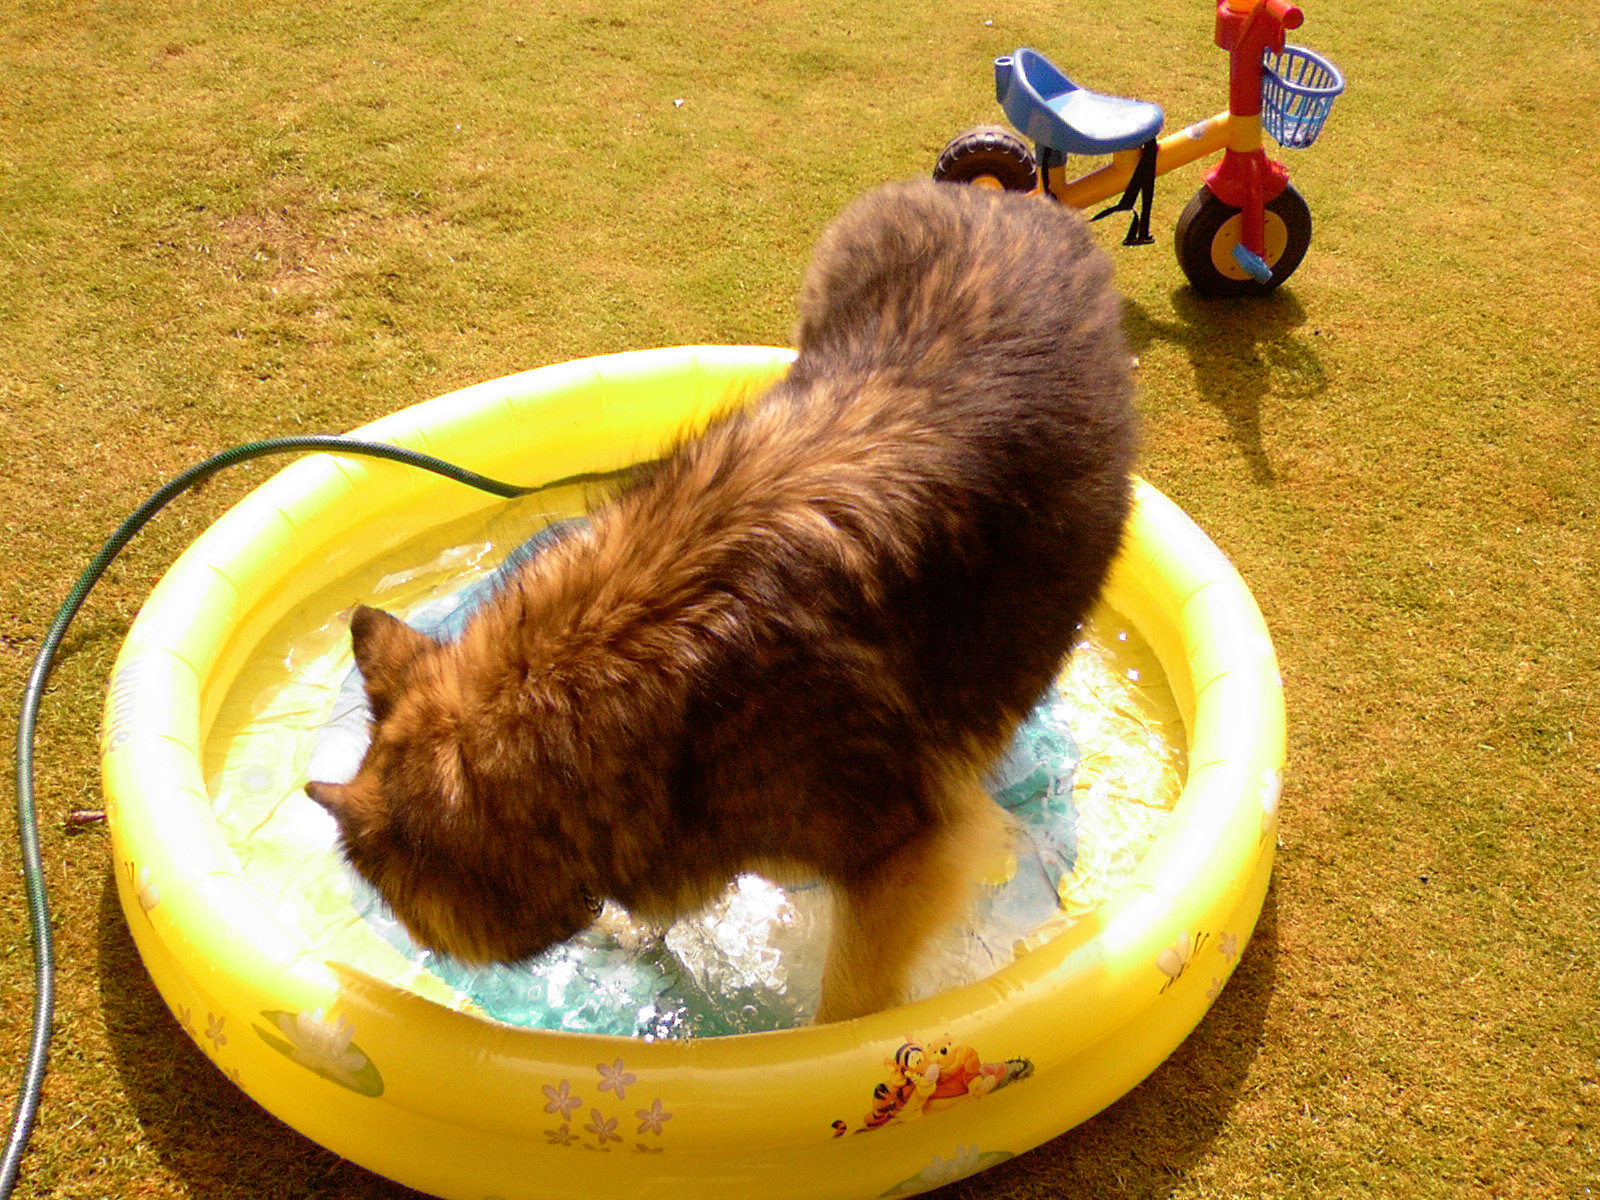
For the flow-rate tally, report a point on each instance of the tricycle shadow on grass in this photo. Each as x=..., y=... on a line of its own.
x=1242, y=353
x=217, y=1141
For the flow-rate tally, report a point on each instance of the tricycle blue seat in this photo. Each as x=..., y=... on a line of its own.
x=1052, y=111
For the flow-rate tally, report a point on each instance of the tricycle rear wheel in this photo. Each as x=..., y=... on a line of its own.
x=1208, y=230
x=988, y=156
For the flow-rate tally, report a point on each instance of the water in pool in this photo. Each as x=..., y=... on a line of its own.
x=1089, y=779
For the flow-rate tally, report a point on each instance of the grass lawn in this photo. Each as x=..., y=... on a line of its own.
x=220, y=222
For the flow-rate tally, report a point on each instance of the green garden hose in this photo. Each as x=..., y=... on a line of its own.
x=27, y=1103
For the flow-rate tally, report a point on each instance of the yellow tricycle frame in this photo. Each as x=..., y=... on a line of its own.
x=1200, y=140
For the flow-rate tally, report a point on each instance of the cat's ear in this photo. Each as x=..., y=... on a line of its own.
x=385, y=648
x=348, y=804
x=330, y=795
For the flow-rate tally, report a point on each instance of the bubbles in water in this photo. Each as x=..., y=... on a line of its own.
x=752, y=960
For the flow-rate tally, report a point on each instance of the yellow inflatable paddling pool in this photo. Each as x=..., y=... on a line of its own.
x=403, y=1081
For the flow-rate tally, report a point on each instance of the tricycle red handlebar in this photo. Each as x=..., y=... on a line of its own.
x=1280, y=10
x=1286, y=14
x=1260, y=21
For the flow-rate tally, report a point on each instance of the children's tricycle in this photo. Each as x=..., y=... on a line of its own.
x=1247, y=229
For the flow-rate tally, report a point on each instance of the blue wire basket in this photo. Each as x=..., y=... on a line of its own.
x=1297, y=91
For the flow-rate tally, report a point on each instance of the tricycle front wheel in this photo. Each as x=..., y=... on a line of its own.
x=1208, y=230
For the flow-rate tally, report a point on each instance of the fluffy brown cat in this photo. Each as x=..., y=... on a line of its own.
x=795, y=644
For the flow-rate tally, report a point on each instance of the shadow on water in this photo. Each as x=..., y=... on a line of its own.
x=1242, y=351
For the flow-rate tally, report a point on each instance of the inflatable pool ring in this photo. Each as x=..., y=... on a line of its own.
x=461, y=1107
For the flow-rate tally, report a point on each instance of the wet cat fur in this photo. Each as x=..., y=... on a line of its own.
x=795, y=644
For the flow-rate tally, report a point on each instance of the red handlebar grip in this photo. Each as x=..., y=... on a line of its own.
x=1285, y=13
